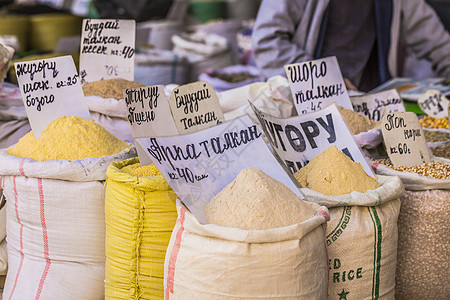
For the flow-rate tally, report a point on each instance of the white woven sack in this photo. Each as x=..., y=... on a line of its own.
x=111, y=114
x=273, y=97
x=214, y=262
x=414, y=181
x=55, y=227
x=362, y=240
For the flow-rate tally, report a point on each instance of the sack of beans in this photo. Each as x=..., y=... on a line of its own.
x=55, y=210
x=106, y=104
x=422, y=265
x=261, y=242
x=140, y=214
x=361, y=237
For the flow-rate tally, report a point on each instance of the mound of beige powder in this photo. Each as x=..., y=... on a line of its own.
x=334, y=173
x=69, y=138
x=110, y=88
x=254, y=200
x=357, y=123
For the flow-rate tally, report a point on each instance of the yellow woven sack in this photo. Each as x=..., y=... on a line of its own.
x=140, y=214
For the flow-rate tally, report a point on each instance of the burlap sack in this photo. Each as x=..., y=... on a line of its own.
x=362, y=240
x=215, y=262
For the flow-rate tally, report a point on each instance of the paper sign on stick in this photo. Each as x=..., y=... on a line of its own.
x=107, y=49
x=50, y=89
x=433, y=103
x=195, y=106
x=199, y=165
x=404, y=139
x=299, y=139
x=149, y=115
x=316, y=84
x=374, y=106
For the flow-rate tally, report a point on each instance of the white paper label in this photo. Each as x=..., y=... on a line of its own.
x=50, y=89
x=299, y=139
x=374, y=106
x=199, y=165
x=195, y=106
x=404, y=139
x=107, y=49
x=316, y=84
x=149, y=115
x=433, y=103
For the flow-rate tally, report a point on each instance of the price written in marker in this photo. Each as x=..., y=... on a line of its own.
x=195, y=106
x=316, y=84
x=149, y=116
x=50, y=89
x=433, y=103
x=107, y=49
x=374, y=106
x=404, y=139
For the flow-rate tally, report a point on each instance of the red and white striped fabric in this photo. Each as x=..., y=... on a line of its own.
x=55, y=228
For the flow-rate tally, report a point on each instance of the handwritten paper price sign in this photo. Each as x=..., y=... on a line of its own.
x=199, y=165
x=374, y=106
x=299, y=139
x=404, y=139
x=316, y=84
x=107, y=49
x=149, y=116
x=50, y=89
x=195, y=106
x=434, y=104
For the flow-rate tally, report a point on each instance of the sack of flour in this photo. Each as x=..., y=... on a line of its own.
x=217, y=262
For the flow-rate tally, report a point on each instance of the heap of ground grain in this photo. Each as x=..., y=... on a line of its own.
x=334, y=173
x=110, y=88
x=69, y=138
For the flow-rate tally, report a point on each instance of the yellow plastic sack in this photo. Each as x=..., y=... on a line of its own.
x=140, y=214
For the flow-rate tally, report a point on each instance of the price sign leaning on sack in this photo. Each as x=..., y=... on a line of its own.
x=107, y=49
x=374, y=106
x=149, y=116
x=299, y=139
x=195, y=106
x=433, y=103
x=316, y=84
x=404, y=139
x=199, y=165
x=50, y=89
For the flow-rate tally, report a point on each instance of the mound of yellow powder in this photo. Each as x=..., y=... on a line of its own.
x=110, y=88
x=334, y=173
x=137, y=170
x=69, y=138
x=254, y=200
x=357, y=123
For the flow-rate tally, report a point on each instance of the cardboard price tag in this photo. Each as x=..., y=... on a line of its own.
x=199, y=165
x=107, y=49
x=374, y=106
x=433, y=103
x=316, y=84
x=404, y=139
x=299, y=139
x=149, y=115
x=195, y=106
x=50, y=89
